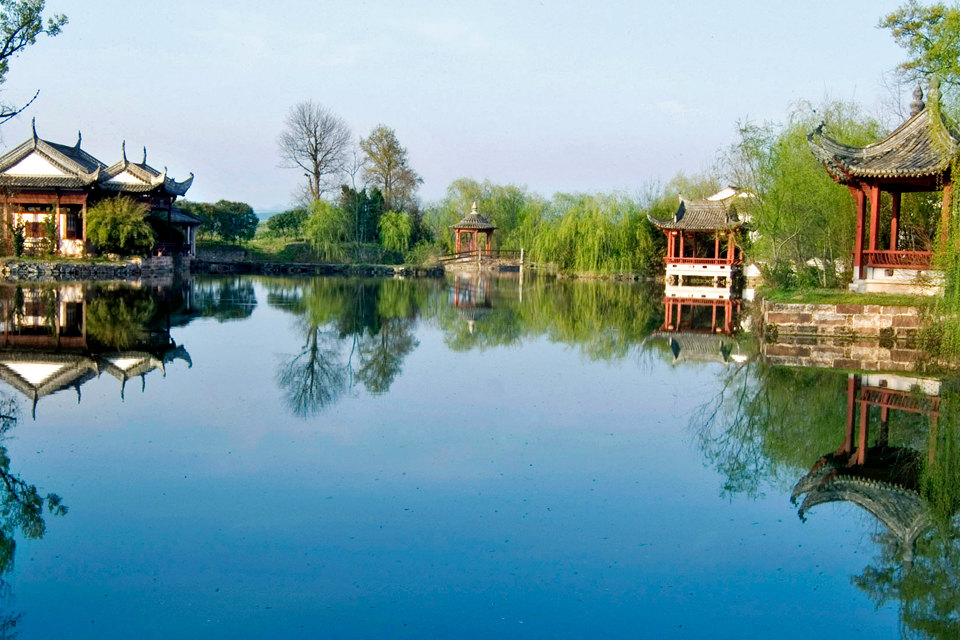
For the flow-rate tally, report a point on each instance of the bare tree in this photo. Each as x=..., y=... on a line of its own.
x=20, y=24
x=316, y=140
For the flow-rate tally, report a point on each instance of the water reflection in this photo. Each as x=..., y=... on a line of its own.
x=57, y=338
x=22, y=511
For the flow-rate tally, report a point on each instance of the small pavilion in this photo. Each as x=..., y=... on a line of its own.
x=701, y=240
x=467, y=232
x=916, y=157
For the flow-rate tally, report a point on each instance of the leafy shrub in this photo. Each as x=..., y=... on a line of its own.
x=119, y=225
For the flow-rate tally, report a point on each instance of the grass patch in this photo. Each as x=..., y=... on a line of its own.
x=833, y=296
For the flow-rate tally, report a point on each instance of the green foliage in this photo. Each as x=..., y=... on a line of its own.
x=287, y=224
x=801, y=215
x=931, y=35
x=19, y=235
x=119, y=225
x=223, y=220
x=327, y=229
x=21, y=21
x=51, y=236
x=395, y=231
x=118, y=318
x=364, y=210
x=386, y=168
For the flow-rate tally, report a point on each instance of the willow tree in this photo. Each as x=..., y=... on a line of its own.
x=119, y=225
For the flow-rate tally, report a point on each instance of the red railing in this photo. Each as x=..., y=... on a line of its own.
x=902, y=400
x=689, y=260
x=898, y=259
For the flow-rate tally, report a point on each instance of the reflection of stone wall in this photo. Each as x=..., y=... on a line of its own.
x=840, y=320
x=842, y=353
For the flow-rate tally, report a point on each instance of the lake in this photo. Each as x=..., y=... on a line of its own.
x=461, y=458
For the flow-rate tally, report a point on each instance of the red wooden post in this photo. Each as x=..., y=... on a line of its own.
x=456, y=235
x=894, y=220
x=679, y=313
x=731, y=248
x=681, y=245
x=858, y=246
x=713, y=326
x=862, y=446
x=874, y=217
x=716, y=247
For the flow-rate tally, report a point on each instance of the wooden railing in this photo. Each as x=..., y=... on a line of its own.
x=493, y=254
x=898, y=259
x=902, y=400
x=691, y=260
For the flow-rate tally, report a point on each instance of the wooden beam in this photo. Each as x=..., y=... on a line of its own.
x=858, y=246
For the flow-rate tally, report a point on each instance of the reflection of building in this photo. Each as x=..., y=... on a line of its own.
x=471, y=297
x=917, y=156
x=48, y=186
x=881, y=479
x=700, y=329
x=45, y=345
x=701, y=248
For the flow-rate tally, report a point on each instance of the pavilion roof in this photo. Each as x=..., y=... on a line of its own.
x=178, y=216
x=38, y=163
x=922, y=147
x=474, y=220
x=887, y=486
x=695, y=346
x=710, y=214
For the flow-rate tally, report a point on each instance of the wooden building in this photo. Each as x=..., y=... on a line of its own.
x=702, y=253
x=916, y=157
x=473, y=233
x=43, y=181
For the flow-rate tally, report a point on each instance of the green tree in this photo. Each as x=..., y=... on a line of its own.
x=119, y=225
x=395, y=231
x=327, y=229
x=224, y=220
x=387, y=168
x=21, y=22
x=931, y=35
x=288, y=224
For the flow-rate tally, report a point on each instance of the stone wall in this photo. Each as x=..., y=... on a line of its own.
x=157, y=267
x=840, y=320
x=844, y=353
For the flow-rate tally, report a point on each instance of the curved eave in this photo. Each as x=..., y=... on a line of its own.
x=679, y=225
x=919, y=148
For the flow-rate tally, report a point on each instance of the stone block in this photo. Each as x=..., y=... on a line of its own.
x=787, y=350
x=849, y=308
x=903, y=320
x=846, y=363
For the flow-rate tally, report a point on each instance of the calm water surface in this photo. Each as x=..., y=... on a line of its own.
x=438, y=459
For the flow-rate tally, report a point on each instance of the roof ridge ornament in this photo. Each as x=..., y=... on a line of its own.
x=79, y=138
x=917, y=105
x=123, y=150
x=144, y=155
x=474, y=210
x=33, y=125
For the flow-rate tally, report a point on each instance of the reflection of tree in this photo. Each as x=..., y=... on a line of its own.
x=224, y=299
x=354, y=330
x=925, y=579
x=118, y=317
x=21, y=511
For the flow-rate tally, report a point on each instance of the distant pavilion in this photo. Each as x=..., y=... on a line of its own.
x=916, y=157
x=701, y=242
x=467, y=232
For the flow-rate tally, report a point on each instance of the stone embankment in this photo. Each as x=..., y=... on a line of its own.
x=314, y=269
x=134, y=269
x=842, y=336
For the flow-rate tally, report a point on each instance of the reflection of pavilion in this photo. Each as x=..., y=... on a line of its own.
x=471, y=297
x=882, y=479
x=700, y=329
x=45, y=348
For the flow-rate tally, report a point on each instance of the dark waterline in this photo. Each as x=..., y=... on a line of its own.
x=375, y=459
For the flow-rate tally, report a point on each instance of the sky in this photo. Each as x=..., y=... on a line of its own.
x=555, y=96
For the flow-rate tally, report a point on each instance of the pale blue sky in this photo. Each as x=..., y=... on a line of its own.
x=558, y=96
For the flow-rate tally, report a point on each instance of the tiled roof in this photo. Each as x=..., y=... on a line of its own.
x=179, y=216
x=474, y=220
x=83, y=170
x=921, y=147
x=702, y=215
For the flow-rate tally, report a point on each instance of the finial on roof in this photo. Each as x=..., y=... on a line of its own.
x=79, y=138
x=33, y=124
x=474, y=210
x=123, y=149
x=917, y=105
x=144, y=154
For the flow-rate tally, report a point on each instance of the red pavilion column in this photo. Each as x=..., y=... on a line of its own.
x=874, y=217
x=862, y=446
x=894, y=220
x=860, y=198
